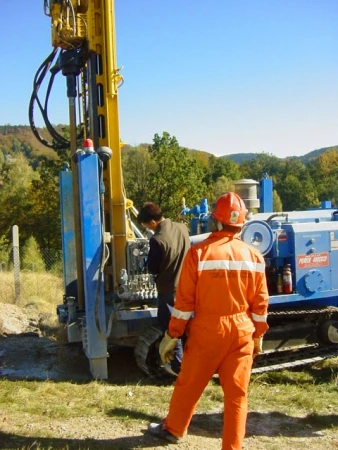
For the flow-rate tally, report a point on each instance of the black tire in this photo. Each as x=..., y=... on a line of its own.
x=146, y=352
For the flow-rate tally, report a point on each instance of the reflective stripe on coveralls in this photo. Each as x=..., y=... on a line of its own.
x=231, y=265
x=223, y=286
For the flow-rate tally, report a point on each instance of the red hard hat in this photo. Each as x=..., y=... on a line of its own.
x=230, y=210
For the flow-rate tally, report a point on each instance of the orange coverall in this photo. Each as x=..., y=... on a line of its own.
x=221, y=303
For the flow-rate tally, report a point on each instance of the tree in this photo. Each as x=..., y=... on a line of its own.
x=175, y=175
x=5, y=249
x=222, y=167
x=263, y=163
x=43, y=218
x=277, y=203
x=137, y=165
x=32, y=259
x=324, y=172
x=222, y=185
x=295, y=186
x=15, y=204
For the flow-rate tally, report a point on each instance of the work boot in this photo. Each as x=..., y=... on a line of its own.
x=158, y=430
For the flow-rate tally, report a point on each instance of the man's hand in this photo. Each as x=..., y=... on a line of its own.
x=167, y=347
x=258, y=343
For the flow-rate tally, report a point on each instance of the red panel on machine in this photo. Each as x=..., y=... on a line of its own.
x=313, y=260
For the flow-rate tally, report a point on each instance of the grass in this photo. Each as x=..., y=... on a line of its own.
x=291, y=409
x=313, y=389
x=293, y=401
x=67, y=400
x=44, y=290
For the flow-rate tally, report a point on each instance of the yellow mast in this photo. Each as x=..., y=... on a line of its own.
x=91, y=25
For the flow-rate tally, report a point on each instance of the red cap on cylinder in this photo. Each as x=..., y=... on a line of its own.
x=88, y=146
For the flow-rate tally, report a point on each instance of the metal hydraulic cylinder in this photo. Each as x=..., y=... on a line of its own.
x=94, y=340
x=68, y=234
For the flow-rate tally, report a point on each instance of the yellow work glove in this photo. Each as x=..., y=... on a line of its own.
x=166, y=349
x=258, y=343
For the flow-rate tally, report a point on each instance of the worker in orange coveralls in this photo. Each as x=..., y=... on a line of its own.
x=221, y=303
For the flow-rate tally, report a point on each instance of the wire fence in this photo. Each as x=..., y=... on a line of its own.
x=27, y=277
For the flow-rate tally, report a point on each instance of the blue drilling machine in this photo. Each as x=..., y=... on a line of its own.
x=110, y=299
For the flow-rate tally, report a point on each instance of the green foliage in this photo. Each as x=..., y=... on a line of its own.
x=219, y=187
x=324, y=172
x=294, y=177
x=289, y=175
x=165, y=173
x=162, y=172
x=29, y=194
x=264, y=163
x=15, y=205
x=175, y=175
x=137, y=165
x=32, y=259
x=44, y=212
x=57, y=269
x=222, y=167
x=5, y=250
x=315, y=154
x=277, y=203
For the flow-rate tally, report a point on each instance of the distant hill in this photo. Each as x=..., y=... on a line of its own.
x=315, y=153
x=12, y=136
x=239, y=158
x=20, y=138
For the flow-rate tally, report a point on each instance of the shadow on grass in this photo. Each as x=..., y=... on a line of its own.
x=278, y=424
x=207, y=425
x=258, y=424
x=16, y=442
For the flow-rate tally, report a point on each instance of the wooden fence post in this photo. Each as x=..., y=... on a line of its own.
x=16, y=262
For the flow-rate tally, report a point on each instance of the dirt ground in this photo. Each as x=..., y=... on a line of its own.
x=25, y=354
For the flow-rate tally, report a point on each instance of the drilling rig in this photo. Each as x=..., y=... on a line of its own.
x=109, y=296
x=300, y=249
x=108, y=293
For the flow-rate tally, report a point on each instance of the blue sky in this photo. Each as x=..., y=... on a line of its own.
x=223, y=76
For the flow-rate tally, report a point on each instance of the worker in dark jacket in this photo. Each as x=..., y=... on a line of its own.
x=168, y=247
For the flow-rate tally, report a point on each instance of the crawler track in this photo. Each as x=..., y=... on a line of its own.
x=146, y=352
x=307, y=347
x=290, y=358
x=318, y=347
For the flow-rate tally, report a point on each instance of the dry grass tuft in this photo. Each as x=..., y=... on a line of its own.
x=44, y=290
